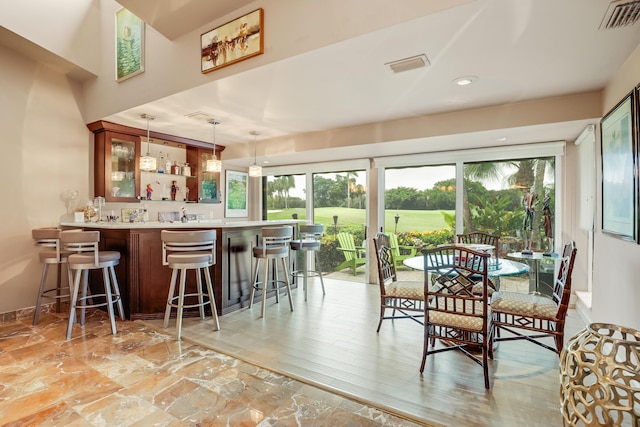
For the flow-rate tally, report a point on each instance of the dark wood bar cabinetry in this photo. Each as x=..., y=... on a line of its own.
x=117, y=151
x=144, y=281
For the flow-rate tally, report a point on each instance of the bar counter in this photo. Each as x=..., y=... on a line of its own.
x=144, y=281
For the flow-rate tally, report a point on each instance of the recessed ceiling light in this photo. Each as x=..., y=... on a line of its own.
x=504, y=138
x=465, y=80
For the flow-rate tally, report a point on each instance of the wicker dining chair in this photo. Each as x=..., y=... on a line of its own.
x=539, y=316
x=479, y=237
x=456, y=313
x=404, y=298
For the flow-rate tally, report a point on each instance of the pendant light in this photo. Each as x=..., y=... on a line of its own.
x=214, y=165
x=147, y=163
x=255, y=170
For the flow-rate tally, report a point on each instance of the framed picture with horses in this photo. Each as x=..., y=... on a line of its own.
x=232, y=42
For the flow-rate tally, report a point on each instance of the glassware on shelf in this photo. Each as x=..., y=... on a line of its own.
x=175, y=169
x=162, y=163
x=167, y=165
x=99, y=203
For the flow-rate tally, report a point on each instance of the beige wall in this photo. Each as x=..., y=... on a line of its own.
x=45, y=152
x=616, y=288
x=66, y=28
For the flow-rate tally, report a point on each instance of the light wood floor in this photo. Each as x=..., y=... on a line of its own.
x=331, y=342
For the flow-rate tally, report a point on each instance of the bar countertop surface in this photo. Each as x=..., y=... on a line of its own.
x=177, y=224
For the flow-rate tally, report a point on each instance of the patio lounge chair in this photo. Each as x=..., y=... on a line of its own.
x=354, y=255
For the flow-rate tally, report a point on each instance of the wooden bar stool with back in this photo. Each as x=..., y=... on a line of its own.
x=86, y=256
x=308, y=241
x=183, y=251
x=48, y=239
x=275, y=246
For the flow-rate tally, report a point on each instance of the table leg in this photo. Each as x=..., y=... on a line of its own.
x=536, y=270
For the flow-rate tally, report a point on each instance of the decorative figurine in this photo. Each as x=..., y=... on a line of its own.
x=149, y=191
x=174, y=189
x=547, y=223
x=528, y=200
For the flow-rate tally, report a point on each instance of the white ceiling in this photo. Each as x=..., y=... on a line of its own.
x=518, y=49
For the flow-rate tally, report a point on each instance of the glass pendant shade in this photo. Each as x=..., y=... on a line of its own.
x=214, y=165
x=148, y=163
x=255, y=171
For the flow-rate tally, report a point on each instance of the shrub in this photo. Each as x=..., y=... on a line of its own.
x=331, y=257
x=426, y=239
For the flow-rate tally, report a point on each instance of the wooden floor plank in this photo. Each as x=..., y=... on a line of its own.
x=331, y=342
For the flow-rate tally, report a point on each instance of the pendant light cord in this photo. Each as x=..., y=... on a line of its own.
x=147, y=135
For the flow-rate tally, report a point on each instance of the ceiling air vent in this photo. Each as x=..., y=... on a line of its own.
x=620, y=14
x=199, y=115
x=408, y=63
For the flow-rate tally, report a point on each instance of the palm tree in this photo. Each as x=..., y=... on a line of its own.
x=476, y=172
x=282, y=186
x=529, y=175
x=351, y=182
x=270, y=192
x=288, y=182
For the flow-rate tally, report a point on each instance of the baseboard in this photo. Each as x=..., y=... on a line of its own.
x=583, y=306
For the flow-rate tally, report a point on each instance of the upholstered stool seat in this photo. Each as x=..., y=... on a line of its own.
x=275, y=246
x=52, y=254
x=183, y=251
x=89, y=257
x=309, y=241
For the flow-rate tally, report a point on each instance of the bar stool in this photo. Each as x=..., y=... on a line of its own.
x=87, y=257
x=275, y=246
x=48, y=238
x=309, y=241
x=189, y=250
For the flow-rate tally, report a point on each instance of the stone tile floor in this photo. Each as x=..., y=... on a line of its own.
x=140, y=377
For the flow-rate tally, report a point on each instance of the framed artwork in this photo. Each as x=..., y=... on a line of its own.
x=619, y=177
x=237, y=194
x=232, y=42
x=129, y=45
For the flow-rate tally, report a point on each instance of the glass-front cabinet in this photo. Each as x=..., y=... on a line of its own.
x=207, y=184
x=181, y=172
x=117, y=175
x=122, y=177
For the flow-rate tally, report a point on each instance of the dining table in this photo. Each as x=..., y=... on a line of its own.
x=498, y=267
x=534, y=259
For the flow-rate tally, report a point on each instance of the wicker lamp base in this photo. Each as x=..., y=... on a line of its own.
x=600, y=377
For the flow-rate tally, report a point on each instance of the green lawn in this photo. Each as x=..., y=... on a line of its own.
x=408, y=221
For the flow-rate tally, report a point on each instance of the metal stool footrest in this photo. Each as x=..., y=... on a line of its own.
x=275, y=285
x=114, y=299
x=176, y=305
x=310, y=273
x=44, y=293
